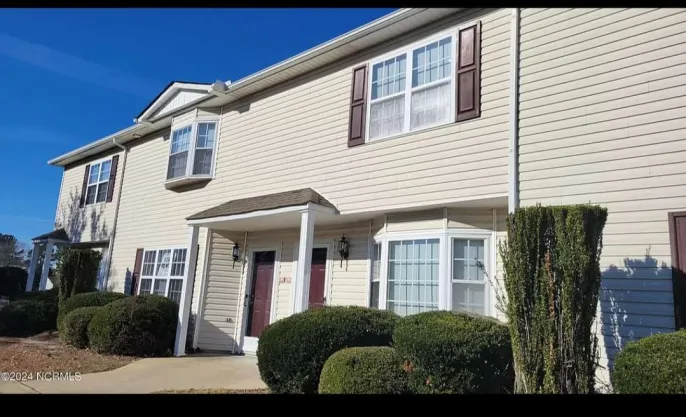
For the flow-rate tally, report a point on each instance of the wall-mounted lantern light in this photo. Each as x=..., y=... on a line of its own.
x=236, y=253
x=343, y=249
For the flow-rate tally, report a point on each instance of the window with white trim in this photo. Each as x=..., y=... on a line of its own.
x=375, y=284
x=397, y=106
x=162, y=272
x=191, y=151
x=436, y=271
x=413, y=274
x=467, y=280
x=98, y=182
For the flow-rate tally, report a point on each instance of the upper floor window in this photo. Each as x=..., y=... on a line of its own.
x=398, y=105
x=98, y=182
x=162, y=272
x=191, y=151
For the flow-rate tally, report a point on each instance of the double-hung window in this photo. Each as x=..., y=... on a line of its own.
x=98, y=182
x=375, y=284
x=192, y=149
x=412, y=90
x=162, y=272
x=468, y=284
x=413, y=275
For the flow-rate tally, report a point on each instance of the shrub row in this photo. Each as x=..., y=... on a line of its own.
x=31, y=313
x=89, y=299
x=346, y=350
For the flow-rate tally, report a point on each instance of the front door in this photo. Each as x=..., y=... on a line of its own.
x=677, y=231
x=260, y=298
x=318, y=278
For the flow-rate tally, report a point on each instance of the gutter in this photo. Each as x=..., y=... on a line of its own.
x=513, y=157
x=110, y=245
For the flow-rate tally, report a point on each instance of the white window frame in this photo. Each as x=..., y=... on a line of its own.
x=190, y=159
x=167, y=278
x=407, y=50
x=372, y=244
x=98, y=183
x=445, y=265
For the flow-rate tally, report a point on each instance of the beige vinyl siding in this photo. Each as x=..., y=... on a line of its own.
x=415, y=220
x=222, y=294
x=92, y=222
x=295, y=136
x=603, y=94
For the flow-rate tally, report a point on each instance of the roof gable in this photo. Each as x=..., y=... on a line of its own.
x=177, y=94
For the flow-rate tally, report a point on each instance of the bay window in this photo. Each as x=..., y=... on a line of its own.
x=162, y=272
x=191, y=151
x=98, y=182
x=433, y=271
x=398, y=105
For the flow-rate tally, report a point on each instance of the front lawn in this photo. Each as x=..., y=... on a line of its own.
x=45, y=353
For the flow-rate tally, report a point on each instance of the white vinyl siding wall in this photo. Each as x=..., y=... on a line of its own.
x=603, y=98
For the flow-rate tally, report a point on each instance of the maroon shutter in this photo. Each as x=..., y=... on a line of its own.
x=113, y=176
x=84, y=186
x=468, y=72
x=358, y=107
x=137, y=264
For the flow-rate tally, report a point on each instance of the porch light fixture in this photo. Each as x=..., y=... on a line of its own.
x=236, y=253
x=343, y=246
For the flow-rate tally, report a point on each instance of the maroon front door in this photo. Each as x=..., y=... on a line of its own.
x=260, y=298
x=318, y=278
x=677, y=232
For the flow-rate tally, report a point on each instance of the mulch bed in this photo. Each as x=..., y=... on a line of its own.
x=45, y=353
x=214, y=391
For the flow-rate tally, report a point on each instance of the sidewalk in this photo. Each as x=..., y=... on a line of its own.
x=152, y=375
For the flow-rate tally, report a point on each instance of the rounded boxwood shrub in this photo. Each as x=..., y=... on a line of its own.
x=363, y=370
x=142, y=325
x=292, y=351
x=447, y=352
x=653, y=365
x=88, y=299
x=28, y=317
x=50, y=295
x=75, y=326
x=12, y=281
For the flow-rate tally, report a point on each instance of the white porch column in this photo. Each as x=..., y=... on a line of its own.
x=46, y=265
x=32, y=267
x=186, y=293
x=301, y=285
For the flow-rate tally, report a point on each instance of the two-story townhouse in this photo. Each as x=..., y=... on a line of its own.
x=378, y=169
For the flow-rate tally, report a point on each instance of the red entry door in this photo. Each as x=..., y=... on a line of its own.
x=318, y=278
x=677, y=231
x=260, y=299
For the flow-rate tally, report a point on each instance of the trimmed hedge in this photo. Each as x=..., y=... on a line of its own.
x=363, y=370
x=89, y=299
x=75, y=326
x=653, y=365
x=293, y=350
x=28, y=317
x=50, y=295
x=143, y=325
x=447, y=352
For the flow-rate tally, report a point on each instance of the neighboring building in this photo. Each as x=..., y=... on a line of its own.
x=411, y=137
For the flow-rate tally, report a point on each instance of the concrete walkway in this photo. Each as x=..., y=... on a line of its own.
x=151, y=375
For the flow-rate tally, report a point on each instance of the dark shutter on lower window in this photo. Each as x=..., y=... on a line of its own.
x=468, y=72
x=113, y=177
x=84, y=186
x=135, y=275
x=358, y=107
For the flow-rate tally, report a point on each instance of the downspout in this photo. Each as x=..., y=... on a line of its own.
x=513, y=160
x=110, y=245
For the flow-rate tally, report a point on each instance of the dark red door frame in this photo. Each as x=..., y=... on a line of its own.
x=677, y=241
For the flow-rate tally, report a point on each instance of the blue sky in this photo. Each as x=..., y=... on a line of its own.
x=71, y=76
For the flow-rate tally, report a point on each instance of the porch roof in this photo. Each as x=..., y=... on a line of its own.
x=275, y=201
x=58, y=235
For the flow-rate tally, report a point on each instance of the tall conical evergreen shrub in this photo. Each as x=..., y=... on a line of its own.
x=552, y=281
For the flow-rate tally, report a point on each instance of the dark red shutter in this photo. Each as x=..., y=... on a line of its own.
x=84, y=186
x=135, y=276
x=358, y=107
x=113, y=176
x=468, y=72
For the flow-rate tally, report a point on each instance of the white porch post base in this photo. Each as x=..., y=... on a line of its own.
x=32, y=267
x=302, y=272
x=186, y=294
x=46, y=266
